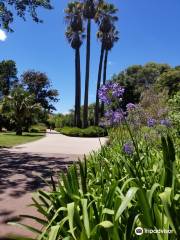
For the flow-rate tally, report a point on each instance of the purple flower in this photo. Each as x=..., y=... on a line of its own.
x=165, y=122
x=128, y=148
x=130, y=106
x=114, y=116
x=151, y=122
x=117, y=116
x=109, y=113
x=117, y=90
x=109, y=91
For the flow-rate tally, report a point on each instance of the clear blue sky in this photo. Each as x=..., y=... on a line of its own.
x=149, y=31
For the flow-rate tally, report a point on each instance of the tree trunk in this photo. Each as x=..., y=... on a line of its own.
x=86, y=94
x=19, y=130
x=76, y=91
x=96, y=119
x=104, y=79
x=78, y=81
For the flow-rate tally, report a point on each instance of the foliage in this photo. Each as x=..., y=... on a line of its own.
x=8, y=7
x=38, y=128
x=86, y=132
x=19, y=107
x=8, y=76
x=38, y=84
x=117, y=189
x=137, y=78
x=170, y=80
x=174, y=113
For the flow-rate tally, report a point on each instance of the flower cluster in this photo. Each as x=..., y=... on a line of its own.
x=128, y=148
x=165, y=122
x=151, y=122
x=109, y=92
x=114, y=117
x=130, y=107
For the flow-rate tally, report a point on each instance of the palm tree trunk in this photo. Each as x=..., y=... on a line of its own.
x=96, y=120
x=76, y=90
x=104, y=79
x=86, y=94
x=78, y=81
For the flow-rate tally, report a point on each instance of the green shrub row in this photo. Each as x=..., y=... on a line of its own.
x=87, y=132
x=38, y=128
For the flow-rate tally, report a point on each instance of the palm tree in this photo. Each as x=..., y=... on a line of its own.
x=105, y=18
x=109, y=41
x=89, y=12
x=19, y=107
x=75, y=35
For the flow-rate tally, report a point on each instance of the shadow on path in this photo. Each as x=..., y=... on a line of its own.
x=20, y=174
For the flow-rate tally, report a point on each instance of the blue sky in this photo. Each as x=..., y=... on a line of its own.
x=149, y=31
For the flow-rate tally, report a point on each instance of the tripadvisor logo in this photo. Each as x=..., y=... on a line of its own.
x=139, y=231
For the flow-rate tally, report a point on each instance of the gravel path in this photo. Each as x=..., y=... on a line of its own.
x=21, y=169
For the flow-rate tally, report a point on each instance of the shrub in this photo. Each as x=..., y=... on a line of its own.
x=174, y=113
x=38, y=128
x=87, y=132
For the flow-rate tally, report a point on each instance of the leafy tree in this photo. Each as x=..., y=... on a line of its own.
x=8, y=7
x=38, y=84
x=170, y=80
x=20, y=106
x=137, y=78
x=8, y=76
x=89, y=11
x=74, y=34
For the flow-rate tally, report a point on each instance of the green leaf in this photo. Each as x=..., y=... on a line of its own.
x=54, y=232
x=106, y=224
x=85, y=217
x=70, y=209
x=129, y=196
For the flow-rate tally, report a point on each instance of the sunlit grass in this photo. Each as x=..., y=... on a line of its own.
x=10, y=139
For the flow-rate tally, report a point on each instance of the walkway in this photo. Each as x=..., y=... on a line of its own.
x=21, y=169
x=59, y=144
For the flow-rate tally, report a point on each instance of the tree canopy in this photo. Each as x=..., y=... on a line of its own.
x=38, y=84
x=8, y=8
x=8, y=76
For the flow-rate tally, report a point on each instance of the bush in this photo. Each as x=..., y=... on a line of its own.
x=38, y=128
x=87, y=132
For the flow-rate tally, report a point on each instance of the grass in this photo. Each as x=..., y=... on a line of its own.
x=10, y=139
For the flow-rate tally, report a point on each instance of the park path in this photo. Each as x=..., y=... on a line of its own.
x=55, y=143
x=23, y=165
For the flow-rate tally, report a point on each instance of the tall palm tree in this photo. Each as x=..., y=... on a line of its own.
x=105, y=18
x=109, y=41
x=89, y=12
x=75, y=39
x=75, y=35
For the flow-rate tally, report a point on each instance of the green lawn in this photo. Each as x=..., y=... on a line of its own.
x=10, y=139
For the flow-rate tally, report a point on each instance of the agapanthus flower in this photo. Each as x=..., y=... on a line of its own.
x=103, y=94
x=117, y=116
x=151, y=122
x=114, y=116
x=130, y=106
x=165, y=122
x=128, y=148
x=117, y=90
x=109, y=91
